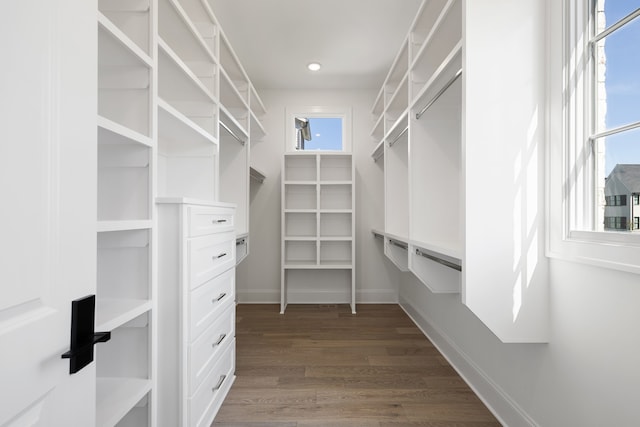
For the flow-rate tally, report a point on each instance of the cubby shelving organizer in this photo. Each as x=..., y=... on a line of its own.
x=318, y=211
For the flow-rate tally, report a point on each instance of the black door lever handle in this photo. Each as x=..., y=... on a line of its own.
x=83, y=337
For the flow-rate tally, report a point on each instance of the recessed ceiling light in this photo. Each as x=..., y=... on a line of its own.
x=314, y=66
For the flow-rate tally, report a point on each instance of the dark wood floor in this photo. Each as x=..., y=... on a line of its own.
x=322, y=366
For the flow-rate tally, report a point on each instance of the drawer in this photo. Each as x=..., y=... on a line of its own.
x=204, y=405
x=208, y=301
x=208, y=220
x=205, y=351
x=209, y=256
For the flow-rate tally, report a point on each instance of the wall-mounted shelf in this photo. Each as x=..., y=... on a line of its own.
x=256, y=175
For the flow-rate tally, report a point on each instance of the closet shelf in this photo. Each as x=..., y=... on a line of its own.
x=110, y=132
x=378, y=104
x=230, y=96
x=255, y=101
x=105, y=24
x=184, y=74
x=328, y=183
x=424, y=40
x=193, y=37
x=323, y=265
x=232, y=123
x=378, y=151
x=230, y=63
x=398, y=127
x=378, y=128
x=300, y=210
x=256, y=128
x=454, y=56
x=116, y=397
x=130, y=225
x=256, y=174
x=178, y=132
x=335, y=211
x=310, y=182
x=112, y=313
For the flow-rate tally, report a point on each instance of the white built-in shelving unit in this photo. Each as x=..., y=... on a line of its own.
x=426, y=121
x=417, y=136
x=126, y=249
x=318, y=211
x=208, y=114
x=176, y=117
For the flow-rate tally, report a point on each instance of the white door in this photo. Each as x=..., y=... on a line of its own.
x=47, y=206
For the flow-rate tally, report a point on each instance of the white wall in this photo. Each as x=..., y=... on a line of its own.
x=588, y=373
x=258, y=276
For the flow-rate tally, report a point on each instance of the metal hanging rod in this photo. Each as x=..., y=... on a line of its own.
x=378, y=235
x=439, y=260
x=241, y=241
x=376, y=158
x=399, y=244
x=398, y=137
x=236, y=137
x=439, y=94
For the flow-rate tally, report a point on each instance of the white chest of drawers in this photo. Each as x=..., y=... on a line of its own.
x=196, y=310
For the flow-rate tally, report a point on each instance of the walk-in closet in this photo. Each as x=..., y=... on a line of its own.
x=305, y=213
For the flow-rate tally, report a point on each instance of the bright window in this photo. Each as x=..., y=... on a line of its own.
x=615, y=124
x=594, y=109
x=318, y=128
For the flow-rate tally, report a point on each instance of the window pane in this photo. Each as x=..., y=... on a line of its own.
x=620, y=104
x=326, y=134
x=615, y=10
x=622, y=148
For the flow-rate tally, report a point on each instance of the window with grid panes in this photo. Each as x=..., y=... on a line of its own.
x=615, y=94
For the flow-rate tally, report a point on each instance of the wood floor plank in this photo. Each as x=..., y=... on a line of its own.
x=320, y=365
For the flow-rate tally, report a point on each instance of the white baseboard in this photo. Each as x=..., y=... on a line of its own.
x=258, y=296
x=376, y=296
x=367, y=296
x=508, y=412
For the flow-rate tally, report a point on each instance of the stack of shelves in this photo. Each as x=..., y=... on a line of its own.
x=457, y=153
x=318, y=211
x=241, y=112
x=126, y=283
x=419, y=111
x=187, y=103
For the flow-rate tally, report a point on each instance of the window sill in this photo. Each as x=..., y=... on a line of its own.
x=612, y=250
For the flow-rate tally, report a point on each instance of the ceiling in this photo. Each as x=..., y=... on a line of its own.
x=354, y=40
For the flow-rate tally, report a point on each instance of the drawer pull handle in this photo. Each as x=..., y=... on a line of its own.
x=222, y=295
x=217, y=343
x=220, y=256
x=218, y=221
x=220, y=381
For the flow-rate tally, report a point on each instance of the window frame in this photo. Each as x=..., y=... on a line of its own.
x=571, y=169
x=318, y=112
